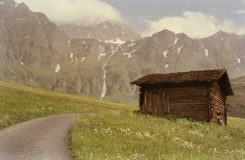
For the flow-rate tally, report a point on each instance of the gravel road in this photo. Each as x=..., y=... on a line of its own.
x=39, y=139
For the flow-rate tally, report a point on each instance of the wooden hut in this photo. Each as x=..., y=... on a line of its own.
x=199, y=95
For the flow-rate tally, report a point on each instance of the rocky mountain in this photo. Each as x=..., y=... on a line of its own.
x=167, y=52
x=109, y=32
x=29, y=38
x=36, y=52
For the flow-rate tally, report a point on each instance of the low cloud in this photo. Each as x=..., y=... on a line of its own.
x=194, y=24
x=75, y=11
x=240, y=11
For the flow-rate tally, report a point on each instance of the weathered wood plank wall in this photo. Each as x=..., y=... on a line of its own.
x=188, y=101
x=155, y=101
x=217, y=104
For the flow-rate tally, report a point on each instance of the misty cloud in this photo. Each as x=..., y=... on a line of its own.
x=240, y=11
x=75, y=11
x=194, y=24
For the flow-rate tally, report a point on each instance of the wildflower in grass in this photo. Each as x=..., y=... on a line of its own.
x=187, y=144
x=91, y=156
x=106, y=130
x=148, y=135
x=176, y=138
x=199, y=148
x=136, y=156
x=50, y=109
x=125, y=131
x=139, y=135
x=196, y=133
x=214, y=150
x=241, y=152
x=184, y=143
x=122, y=130
x=226, y=137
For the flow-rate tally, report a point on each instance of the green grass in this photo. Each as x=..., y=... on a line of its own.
x=112, y=131
x=127, y=136
x=19, y=103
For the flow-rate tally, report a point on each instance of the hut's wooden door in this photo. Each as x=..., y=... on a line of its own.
x=156, y=101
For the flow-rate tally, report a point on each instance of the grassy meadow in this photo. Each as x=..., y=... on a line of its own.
x=19, y=103
x=113, y=132
x=123, y=135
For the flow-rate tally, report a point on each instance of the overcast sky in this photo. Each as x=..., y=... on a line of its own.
x=197, y=18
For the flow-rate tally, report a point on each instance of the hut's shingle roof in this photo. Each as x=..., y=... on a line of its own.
x=183, y=77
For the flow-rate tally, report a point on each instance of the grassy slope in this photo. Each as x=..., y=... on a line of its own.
x=20, y=103
x=124, y=135
x=112, y=131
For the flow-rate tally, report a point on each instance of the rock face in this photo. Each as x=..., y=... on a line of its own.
x=166, y=52
x=36, y=52
x=110, y=32
x=29, y=38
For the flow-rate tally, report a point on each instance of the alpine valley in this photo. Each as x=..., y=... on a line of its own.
x=100, y=60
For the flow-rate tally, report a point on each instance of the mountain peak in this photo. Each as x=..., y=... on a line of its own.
x=22, y=6
x=164, y=32
x=221, y=34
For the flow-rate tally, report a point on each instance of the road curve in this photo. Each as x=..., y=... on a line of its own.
x=39, y=139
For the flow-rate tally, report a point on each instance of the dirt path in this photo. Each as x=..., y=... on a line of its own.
x=39, y=139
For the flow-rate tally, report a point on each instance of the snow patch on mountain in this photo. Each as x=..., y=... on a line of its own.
x=117, y=41
x=83, y=59
x=101, y=50
x=57, y=69
x=166, y=66
x=72, y=57
x=131, y=44
x=238, y=60
x=179, y=49
x=206, y=52
x=22, y=63
x=176, y=40
x=129, y=54
x=101, y=55
x=165, y=54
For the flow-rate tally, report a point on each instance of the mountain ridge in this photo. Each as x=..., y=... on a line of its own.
x=36, y=52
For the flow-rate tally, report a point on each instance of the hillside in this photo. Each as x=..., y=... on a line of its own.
x=36, y=52
x=113, y=131
x=236, y=103
x=19, y=103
